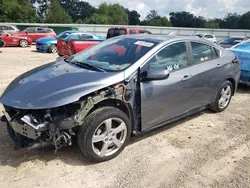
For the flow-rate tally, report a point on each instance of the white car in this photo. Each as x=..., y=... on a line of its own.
x=209, y=37
x=9, y=28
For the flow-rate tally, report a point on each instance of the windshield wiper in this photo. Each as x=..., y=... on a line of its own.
x=89, y=66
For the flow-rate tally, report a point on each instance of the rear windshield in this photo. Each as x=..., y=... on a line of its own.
x=232, y=41
x=116, y=32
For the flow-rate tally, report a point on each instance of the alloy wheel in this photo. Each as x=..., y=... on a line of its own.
x=109, y=137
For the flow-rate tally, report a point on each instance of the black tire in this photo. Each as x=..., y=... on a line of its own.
x=23, y=43
x=215, y=107
x=52, y=49
x=89, y=127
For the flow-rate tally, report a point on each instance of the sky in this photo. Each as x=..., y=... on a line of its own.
x=206, y=8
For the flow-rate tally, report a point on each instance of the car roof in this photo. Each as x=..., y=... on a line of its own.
x=127, y=28
x=163, y=38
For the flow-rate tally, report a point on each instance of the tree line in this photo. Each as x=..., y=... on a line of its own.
x=76, y=11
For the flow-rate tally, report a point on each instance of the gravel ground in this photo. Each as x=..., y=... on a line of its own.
x=205, y=150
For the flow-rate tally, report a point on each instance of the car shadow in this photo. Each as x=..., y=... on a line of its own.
x=164, y=128
x=243, y=89
x=70, y=155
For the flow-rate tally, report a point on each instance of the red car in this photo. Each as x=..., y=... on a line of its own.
x=76, y=42
x=12, y=40
x=116, y=31
x=35, y=33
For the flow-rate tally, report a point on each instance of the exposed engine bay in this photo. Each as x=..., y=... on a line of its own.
x=39, y=128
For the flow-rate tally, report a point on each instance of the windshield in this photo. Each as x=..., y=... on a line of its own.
x=199, y=35
x=114, y=54
x=243, y=45
x=231, y=41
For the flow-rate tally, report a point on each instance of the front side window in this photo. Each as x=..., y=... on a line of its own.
x=74, y=37
x=172, y=57
x=202, y=52
x=30, y=30
x=85, y=37
x=114, y=54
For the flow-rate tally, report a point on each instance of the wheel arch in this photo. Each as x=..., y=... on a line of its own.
x=124, y=107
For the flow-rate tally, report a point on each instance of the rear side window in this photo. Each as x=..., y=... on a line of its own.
x=131, y=31
x=209, y=36
x=116, y=32
x=144, y=31
x=202, y=52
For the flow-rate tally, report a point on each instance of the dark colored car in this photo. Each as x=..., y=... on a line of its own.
x=35, y=33
x=117, y=31
x=124, y=85
x=229, y=42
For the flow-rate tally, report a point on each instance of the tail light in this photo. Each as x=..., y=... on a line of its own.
x=236, y=60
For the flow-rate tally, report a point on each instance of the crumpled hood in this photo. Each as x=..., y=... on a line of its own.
x=55, y=84
x=46, y=40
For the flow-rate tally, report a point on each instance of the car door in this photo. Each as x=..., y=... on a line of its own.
x=207, y=73
x=31, y=33
x=41, y=32
x=162, y=100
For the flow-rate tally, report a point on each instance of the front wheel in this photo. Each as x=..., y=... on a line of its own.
x=223, y=97
x=52, y=49
x=104, y=134
x=23, y=43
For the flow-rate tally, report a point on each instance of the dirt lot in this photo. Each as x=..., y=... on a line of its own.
x=205, y=150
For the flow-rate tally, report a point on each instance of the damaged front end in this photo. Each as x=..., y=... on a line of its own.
x=40, y=128
x=56, y=126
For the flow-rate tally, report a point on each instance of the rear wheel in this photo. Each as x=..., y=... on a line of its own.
x=52, y=49
x=104, y=134
x=23, y=43
x=223, y=97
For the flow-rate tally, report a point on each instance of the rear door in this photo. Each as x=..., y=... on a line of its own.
x=207, y=73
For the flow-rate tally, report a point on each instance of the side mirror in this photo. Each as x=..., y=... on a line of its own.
x=7, y=34
x=156, y=75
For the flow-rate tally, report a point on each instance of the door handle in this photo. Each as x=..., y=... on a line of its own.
x=218, y=66
x=186, y=77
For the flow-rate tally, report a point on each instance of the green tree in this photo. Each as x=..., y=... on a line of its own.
x=78, y=9
x=154, y=19
x=17, y=11
x=42, y=8
x=114, y=14
x=57, y=14
x=212, y=23
x=230, y=21
x=244, y=22
x=133, y=17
